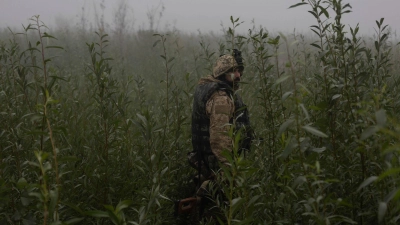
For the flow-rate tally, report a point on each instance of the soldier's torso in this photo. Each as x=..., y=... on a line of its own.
x=201, y=121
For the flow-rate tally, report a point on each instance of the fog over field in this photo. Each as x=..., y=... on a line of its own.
x=189, y=15
x=96, y=112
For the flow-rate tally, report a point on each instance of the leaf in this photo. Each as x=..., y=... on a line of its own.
x=315, y=45
x=122, y=205
x=391, y=195
x=324, y=11
x=304, y=88
x=383, y=38
x=52, y=46
x=336, y=96
x=74, y=220
x=281, y=79
x=48, y=36
x=25, y=201
x=382, y=210
x=237, y=203
x=298, y=4
x=314, y=131
x=286, y=95
x=288, y=149
x=367, y=182
x=389, y=172
x=299, y=181
x=319, y=150
x=155, y=43
x=165, y=197
x=381, y=117
x=172, y=58
x=53, y=194
x=21, y=183
x=369, y=132
x=96, y=213
x=305, y=111
x=284, y=126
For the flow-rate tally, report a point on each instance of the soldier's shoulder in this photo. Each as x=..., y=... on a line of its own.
x=218, y=94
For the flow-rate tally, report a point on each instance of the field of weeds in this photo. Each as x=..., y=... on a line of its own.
x=95, y=127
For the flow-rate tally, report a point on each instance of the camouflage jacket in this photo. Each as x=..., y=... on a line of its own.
x=215, y=109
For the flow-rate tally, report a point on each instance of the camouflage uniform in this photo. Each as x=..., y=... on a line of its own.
x=216, y=108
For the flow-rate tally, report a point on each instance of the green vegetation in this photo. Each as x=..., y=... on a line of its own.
x=95, y=128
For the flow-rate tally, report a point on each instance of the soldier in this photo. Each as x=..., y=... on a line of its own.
x=216, y=108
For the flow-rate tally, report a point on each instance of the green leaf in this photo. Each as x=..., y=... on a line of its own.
x=318, y=150
x=25, y=201
x=391, y=195
x=383, y=38
x=324, y=11
x=389, y=172
x=298, y=4
x=122, y=205
x=48, y=36
x=284, y=126
x=381, y=117
x=237, y=204
x=59, y=47
x=315, y=45
x=74, y=207
x=305, y=111
x=314, y=131
x=74, y=220
x=336, y=96
x=288, y=149
x=382, y=210
x=155, y=43
x=369, y=132
x=367, y=182
x=96, y=213
x=286, y=95
x=53, y=194
x=299, y=181
x=281, y=79
x=172, y=58
x=21, y=183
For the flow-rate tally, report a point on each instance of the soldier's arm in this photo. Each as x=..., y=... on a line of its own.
x=220, y=109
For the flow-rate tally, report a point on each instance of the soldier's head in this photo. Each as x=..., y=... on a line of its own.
x=229, y=68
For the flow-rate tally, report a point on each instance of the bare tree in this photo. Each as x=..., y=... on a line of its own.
x=155, y=14
x=122, y=23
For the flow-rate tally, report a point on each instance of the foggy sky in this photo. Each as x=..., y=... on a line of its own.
x=193, y=15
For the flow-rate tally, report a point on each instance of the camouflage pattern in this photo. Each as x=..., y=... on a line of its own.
x=215, y=109
x=220, y=109
x=223, y=64
x=207, y=89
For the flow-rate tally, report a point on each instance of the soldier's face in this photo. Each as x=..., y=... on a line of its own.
x=233, y=76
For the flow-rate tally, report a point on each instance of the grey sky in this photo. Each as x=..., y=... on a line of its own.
x=204, y=15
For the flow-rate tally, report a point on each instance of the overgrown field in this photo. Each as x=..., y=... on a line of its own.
x=95, y=127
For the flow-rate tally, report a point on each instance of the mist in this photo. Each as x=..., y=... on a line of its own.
x=191, y=16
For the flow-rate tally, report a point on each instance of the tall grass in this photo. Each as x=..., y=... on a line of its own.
x=93, y=132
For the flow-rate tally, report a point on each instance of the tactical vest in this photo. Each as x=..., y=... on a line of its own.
x=201, y=122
